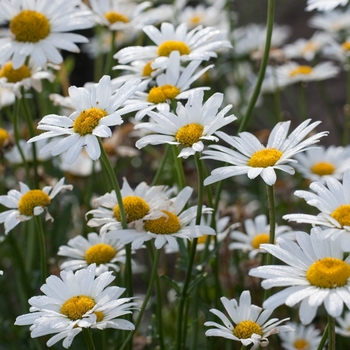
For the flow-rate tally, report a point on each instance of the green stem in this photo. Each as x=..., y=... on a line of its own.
x=261, y=75
x=331, y=333
x=161, y=165
x=88, y=339
x=42, y=248
x=324, y=338
x=179, y=169
x=109, y=58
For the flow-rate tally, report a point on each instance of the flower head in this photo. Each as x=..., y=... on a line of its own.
x=343, y=327
x=324, y=5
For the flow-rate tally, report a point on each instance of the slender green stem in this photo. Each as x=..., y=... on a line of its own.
x=324, y=338
x=331, y=333
x=302, y=101
x=42, y=248
x=161, y=165
x=109, y=58
x=179, y=169
x=88, y=339
x=261, y=75
x=243, y=347
x=145, y=301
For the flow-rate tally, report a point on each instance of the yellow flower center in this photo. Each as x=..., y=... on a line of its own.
x=301, y=70
x=310, y=46
x=189, y=134
x=32, y=199
x=4, y=136
x=87, y=120
x=264, y=158
x=346, y=46
x=342, y=214
x=328, y=273
x=166, y=48
x=30, y=26
x=135, y=208
x=147, y=69
x=323, y=168
x=15, y=75
x=164, y=225
x=113, y=17
x=196, y=19
x=260, y=239
x=246, y=329
x=100, y=253
x=160, y=94
x=301, y=344
x=203, y=239
x=76, y=307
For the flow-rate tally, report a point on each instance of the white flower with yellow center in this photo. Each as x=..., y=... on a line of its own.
x=255, y=159
x=257, y=233
x=27, y=203
x=192, y=124
x=247, y=323
x=344, y=323
x=39, y=29
x=95, y=249
x=318, y=164
x=76, y=301
x=303, y=337
x=332, y=22
x=140, y=204
x=96, y=110
x=173, y=224
x=324, y=5
x=333, y=202
x=316, y=274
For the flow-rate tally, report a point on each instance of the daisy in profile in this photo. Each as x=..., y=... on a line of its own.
x=254, y=159
x=320, y=163
x=247, y=323
x=343, y=326
x=303, y=337
x=332, y=199
x=190, y=126
x=173, y=224
x=96, y=109
x=27, y=203
x=39, y=29
x=140, y=204
x=76, y=301
x=257, y=233
x=96, y=249
x=316, y=273
x=324, y=5
x=331, y=22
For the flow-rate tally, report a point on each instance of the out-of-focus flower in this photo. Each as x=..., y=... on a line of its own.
x=344, y=323
x=324, y=5
x=332, y=22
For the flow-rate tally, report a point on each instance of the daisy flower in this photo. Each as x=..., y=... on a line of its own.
x=76, y=301
x=96, y=109
x=316, y=273
x=27, y=203
x=344, y=323
x=39, y=29
x=303, y=338
x=7, y=97
x=332, y=22
x=324, y=5
x=254, y=159
x=257, y=233
x=247, y=323
x=96, y=249
x=192, y=124
x=318, y=164
x=333, y=202
x=140, y=204
x=166, y=229
x=5, y=139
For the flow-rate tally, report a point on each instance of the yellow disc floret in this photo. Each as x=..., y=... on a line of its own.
x=323, y=168
x=99, y=316
x=164, y=225
x=135, y=208
x=87, y=120
x=246, y=329
x=147, y=69
x=301, y=344
x=265, y=158
x=76, y=307
x=100, y=253
x=342, y=214
x=309, y=47
x=262, y=238
x=196, y=19
x=32, y=199
x=160, y=94
x=189, y=134
x=346, y=46
x=328, y=273
x=166, y=48
x=15, y=75
x=113, y=17
x=30, y=26
x=4, y=136
x=301, y=70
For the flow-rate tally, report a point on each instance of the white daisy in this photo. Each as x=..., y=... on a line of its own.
x=96, y=109
x=7, y=97
x=76, y=301
x=332, y=22
x=247, y=323
x=257, y=233
x=39, y=29
x=316, y=274
x=5, y=140
x=324, y=5
x=192, y=124
x=338, y=51
x=318, y=164
x=166, y=229
x=140, y=204
x=344, y=323
x=303, y=337
x=27, y=203
x=333, y=202
x=254, y=159
x=96, y=249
